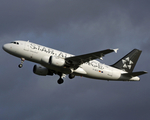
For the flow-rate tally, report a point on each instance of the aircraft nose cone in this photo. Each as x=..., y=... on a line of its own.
x=5, y=47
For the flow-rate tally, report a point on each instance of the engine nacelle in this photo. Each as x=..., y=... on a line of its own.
x=40, y=70
x=53, y=60
x=57, y=61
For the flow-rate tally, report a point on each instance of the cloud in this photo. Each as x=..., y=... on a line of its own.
x=76, y=27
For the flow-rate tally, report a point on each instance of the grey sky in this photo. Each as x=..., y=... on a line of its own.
x=76, y=27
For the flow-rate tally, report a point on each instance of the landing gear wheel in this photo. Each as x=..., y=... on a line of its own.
x=60, y=81
x=71, y=76
x=20, y=65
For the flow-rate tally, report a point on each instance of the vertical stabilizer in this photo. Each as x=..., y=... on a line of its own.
x=128, y=62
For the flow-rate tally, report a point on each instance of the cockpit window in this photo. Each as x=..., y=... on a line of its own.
x=15, y=43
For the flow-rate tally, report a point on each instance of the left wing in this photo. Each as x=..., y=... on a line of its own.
x=76, y=61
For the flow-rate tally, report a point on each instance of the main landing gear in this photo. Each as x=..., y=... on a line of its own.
x=21, y=64
x=71, y=76
x=60, y=80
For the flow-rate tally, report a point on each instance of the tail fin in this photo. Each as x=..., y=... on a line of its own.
x=128, y=62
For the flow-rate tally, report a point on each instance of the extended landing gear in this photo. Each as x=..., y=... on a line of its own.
x=60, y=80
x=21, y=65
x=71, y=76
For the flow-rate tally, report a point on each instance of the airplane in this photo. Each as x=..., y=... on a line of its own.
x=50, y=61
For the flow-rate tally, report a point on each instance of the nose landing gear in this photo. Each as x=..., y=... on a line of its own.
x=21, y=64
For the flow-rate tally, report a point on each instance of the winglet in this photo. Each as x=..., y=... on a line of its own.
x=101, y=58
x=115, y=50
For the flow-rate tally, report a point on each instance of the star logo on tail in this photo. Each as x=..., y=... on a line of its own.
x=127, y=63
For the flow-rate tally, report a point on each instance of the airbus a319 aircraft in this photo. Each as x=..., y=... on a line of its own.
x=50, y=61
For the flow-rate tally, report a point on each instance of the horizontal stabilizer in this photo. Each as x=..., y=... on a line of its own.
x=133, y=74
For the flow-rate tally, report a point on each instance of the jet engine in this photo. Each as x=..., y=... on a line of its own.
x=54, y=60
x=57, y=61
x=40, y=70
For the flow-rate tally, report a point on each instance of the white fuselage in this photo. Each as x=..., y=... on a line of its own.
x=92, y=69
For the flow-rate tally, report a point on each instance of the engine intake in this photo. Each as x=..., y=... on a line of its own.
x=40, y=70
